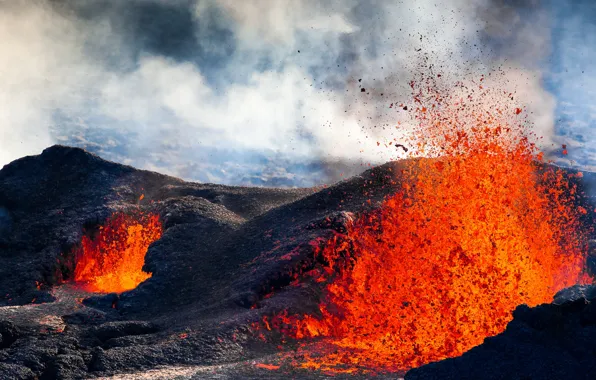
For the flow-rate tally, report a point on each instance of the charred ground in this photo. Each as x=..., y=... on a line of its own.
x=226, y=258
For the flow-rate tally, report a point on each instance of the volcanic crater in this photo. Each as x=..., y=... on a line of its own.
x=213, y=276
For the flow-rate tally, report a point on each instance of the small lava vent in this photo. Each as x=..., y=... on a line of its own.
x=111, y=259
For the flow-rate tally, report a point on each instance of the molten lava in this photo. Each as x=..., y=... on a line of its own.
x=479, y=227
x=113, y=260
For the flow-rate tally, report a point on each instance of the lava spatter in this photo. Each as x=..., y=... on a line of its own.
x=479, y=226
x=112, y=261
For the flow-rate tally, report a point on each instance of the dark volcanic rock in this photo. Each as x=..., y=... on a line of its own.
x=337, y=221
x=228, y=256
x=551, y=341
x=8, y=333
x=16, y=372
x=47, y=200
x=106, y=301
x=111, y=330
x=65, y=366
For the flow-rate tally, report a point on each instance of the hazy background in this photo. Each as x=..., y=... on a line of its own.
x=269, y=92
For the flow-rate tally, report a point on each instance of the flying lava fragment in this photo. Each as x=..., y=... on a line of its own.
x=479, y=226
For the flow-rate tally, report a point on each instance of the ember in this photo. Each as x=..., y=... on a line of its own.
x=113, y=260
x=479, y=227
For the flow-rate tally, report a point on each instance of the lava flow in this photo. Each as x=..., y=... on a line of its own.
x=479, y=226
x=112, y=261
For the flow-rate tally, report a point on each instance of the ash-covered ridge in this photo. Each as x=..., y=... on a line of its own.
x=47, y=200
x=217, y=259
x=225, y=260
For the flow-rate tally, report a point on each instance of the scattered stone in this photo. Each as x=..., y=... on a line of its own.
x=111, y=330
x=338, y=221
x=9, y=333
x=15, y=372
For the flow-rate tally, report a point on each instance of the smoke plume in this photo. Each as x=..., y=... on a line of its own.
x=265, y=92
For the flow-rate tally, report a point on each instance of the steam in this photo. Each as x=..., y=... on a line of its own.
x=284, y=92
x=573, y=80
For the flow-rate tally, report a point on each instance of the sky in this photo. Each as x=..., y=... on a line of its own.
x=572, y=79
x=270, y=92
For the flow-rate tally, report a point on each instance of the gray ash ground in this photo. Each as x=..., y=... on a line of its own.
x=224, y=252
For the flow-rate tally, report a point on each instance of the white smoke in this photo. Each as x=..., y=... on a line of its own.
x=36, y=62
x=288, y=87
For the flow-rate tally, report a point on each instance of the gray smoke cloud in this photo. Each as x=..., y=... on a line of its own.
x=573, y=80
x=265, y=92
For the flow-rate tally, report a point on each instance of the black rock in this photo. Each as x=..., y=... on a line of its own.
x=111, y=330
x=9, y=333
x=227, y=257
x=551, y=341
x=65, y=367
x=16, y=372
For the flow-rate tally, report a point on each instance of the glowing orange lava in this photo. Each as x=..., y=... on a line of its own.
x=479, y=227
x=112, y=261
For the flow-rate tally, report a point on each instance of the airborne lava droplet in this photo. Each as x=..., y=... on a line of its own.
x=112, y=261
x=478, y=227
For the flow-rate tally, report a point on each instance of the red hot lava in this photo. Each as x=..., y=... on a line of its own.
x=478, y=227
x=112, y=261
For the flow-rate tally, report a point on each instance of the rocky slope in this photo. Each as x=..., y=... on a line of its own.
x=552, y=341
x=223, y=252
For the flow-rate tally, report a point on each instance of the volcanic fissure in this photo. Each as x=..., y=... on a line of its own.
x=111, y=259
x=479, y=226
